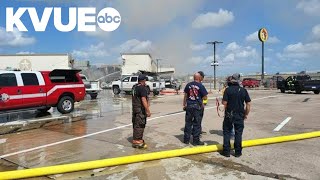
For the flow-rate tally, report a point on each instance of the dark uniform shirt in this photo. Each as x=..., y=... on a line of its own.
x=138, y=91
x=235, y=97
x=195, y=92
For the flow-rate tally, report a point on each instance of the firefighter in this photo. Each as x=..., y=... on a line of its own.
x=194, y=94
x=140, y=111
x=233, y=100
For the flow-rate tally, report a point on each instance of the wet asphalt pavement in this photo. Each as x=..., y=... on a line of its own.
x=101, y=128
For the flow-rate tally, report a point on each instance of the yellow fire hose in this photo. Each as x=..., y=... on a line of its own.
x=59, y=169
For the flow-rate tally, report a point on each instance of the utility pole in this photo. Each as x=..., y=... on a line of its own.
x=215, y=63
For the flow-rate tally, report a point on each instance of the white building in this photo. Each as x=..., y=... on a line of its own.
x=36, y=62
x=81, y=64
x=141, y=62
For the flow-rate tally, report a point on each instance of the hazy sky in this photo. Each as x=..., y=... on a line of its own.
x=177, y=31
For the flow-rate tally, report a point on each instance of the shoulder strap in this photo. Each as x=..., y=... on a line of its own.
x=134, y=89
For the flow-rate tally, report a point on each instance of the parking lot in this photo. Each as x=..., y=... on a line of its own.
x=100, y=129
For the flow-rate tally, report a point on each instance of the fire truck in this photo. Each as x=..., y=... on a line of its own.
x=40, y=90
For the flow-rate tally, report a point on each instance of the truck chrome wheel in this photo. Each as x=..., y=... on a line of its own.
x=67, y=105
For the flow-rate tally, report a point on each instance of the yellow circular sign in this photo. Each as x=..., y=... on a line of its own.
x=263, y=34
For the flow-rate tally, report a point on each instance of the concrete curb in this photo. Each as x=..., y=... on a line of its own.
x=17, y=126
x=24, y=125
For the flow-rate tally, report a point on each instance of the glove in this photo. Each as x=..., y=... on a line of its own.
x=205, y=101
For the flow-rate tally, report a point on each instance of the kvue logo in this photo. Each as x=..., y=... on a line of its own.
x=85, y=19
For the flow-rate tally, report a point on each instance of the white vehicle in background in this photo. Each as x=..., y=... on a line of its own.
x=128, y=82
x=92, y=87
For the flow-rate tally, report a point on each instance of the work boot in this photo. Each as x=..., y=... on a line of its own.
x=186, y=141
x=199, y=143
x=225, y=154
x=237, y=154
x=139, y=145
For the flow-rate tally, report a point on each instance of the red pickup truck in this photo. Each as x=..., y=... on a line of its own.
x=40, y=90
x=250, y=82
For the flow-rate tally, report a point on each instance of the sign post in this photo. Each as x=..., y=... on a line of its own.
x=263, y=36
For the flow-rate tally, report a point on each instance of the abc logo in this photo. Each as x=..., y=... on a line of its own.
x=109, y=19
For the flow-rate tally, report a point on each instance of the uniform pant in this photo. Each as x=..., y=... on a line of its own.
x=139, y=120
x=230, y=120
x=192, y=123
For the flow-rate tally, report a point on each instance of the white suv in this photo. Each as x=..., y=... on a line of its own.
x=128, y=82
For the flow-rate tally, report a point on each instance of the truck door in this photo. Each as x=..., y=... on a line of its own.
x=125, y=84
x=133, y=81
x=33, y=91
x=10, y=92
